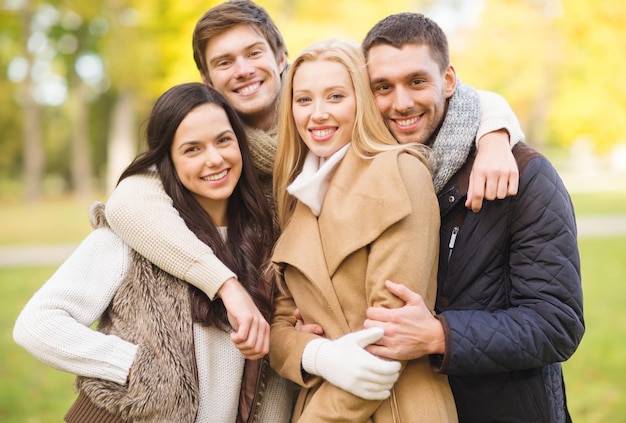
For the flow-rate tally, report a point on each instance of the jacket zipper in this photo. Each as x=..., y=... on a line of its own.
x=455, y=231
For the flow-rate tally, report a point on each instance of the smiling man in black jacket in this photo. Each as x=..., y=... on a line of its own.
x=509, y=306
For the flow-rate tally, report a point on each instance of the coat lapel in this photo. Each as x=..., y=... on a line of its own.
x=302, y=235
x=351, y=217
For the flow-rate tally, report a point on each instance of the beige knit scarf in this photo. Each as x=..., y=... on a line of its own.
x=263, y=149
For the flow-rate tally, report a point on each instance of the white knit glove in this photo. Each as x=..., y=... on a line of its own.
x=344, y=363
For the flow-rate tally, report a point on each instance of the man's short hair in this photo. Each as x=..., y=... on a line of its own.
x=409, y=28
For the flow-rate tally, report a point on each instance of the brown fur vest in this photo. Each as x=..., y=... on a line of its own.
x=151, y=309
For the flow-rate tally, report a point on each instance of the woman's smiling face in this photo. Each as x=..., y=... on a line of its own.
x=324, y=106
x=206, y=155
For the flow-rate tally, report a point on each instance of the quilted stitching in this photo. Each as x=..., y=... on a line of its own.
x=544, y=324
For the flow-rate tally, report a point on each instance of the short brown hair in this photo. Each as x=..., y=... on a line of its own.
x=409, y=28
x=227, y=15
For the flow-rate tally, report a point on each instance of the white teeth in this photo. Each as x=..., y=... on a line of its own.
x=249, y=88
x=322, y=132
x=406, y=122
x=216, y=177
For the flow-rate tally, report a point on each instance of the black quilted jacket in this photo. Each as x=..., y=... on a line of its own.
x=509, y=296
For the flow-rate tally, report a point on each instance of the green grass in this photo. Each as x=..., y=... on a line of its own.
x=32, y=392
x=56, y=221
x=591, y=203
x=594, y=376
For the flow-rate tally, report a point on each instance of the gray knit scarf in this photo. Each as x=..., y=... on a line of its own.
x=456, y=135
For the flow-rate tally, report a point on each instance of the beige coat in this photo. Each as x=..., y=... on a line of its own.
x=379, y=220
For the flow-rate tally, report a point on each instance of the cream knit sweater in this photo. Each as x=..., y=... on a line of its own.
x=54, y=327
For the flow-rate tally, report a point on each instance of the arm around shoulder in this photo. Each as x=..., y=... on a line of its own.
x=142, y=214
x=494, y=172
x=496, y=113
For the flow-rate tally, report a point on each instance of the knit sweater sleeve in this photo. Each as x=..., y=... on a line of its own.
x=54, y=326
x=142, y=214
x=496, y=113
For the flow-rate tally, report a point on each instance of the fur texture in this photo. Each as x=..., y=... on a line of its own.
x=151, y=309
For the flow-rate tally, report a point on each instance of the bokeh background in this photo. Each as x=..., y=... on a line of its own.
x=78, y=78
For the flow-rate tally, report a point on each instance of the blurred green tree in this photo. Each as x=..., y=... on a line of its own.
x=51, y=42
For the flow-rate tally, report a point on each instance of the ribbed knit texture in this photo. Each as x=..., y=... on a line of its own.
x=277, y=401
x=263, y=150
x=309, y=356
x=54, y=325
x=220, y=365
x=456, y=136
x=83, y=411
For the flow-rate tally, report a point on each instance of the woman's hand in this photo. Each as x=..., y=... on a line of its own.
x=252, y=331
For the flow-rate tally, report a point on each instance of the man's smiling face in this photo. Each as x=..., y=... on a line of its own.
x=410, y=90
x=244, y=69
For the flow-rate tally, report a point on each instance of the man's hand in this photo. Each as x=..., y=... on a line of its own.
x=252, y=332
x=411, y=331
x=313, y=328
x=495, y=173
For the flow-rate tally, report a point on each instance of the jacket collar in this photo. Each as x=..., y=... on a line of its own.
x=456, y=188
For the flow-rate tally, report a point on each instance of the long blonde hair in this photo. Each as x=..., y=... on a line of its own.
x=370, y=134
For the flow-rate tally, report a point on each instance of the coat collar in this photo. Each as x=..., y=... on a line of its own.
x=301, y=247
x=456, y=188
x=364, y=198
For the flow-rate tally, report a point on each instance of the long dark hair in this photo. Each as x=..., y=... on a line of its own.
x=248, y=245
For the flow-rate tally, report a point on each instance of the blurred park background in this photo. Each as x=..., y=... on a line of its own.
x=78, y=78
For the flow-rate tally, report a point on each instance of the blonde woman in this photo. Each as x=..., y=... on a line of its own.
x=355, y=208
